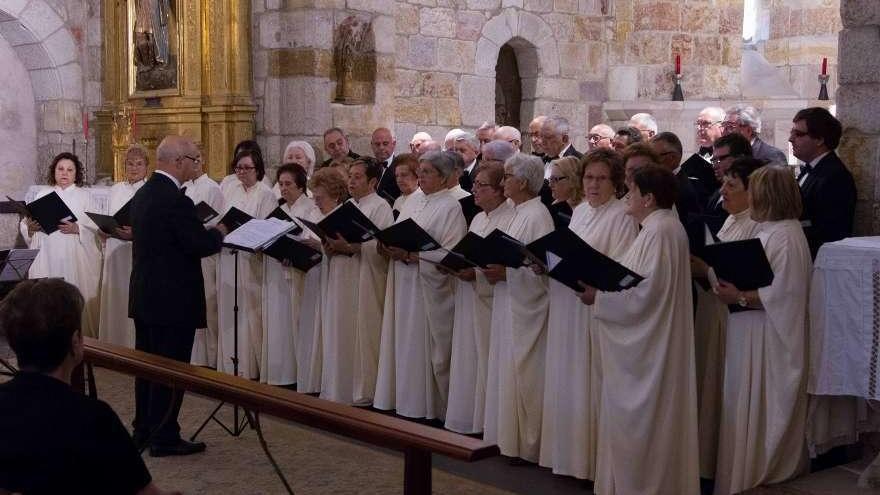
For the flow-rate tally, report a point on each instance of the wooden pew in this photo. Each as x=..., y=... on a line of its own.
x=416, y=441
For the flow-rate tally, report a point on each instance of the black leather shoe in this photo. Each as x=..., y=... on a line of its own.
x=181, y=447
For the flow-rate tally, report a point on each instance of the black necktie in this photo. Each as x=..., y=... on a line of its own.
x=805, y=169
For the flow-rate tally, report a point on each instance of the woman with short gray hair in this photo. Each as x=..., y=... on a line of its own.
x=515, y=383
x=416, y=340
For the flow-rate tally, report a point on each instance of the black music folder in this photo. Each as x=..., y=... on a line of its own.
x=280, y=214
x=570, y=260
x=107, y=223
x=407, y=235
x=235, y=218
x=741, y=263
x=298, y=254
x=505, y=250
x=48, y=211
x=346, y=220
x=465, y=254
x=469, y=208
x=205, y=212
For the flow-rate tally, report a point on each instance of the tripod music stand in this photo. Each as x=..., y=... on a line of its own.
x=14, y=266
x=238, y=426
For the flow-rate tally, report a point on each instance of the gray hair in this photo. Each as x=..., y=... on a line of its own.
x=746, y=115
x=498, y=149
x=429, y=146
x=507, y=133
x=529, y=168
x=603, y=130
x=560, y=125
x=421, y=135
x=457, y=160
x=470, y=139
x=487, y=125
x=645, y=120
x=453, y=135
x=441, y=162
x=716, y=114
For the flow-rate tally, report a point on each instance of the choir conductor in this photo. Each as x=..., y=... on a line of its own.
x=167, y=294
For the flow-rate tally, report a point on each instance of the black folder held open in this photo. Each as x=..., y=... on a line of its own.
x=741, y=263
x=109, y=223
x=205, y=212
x=296, y=253
x=407, y=235
x=346, y=220
x=235, y=218
x=465, y=254
x=48, y=211
x=570, y=261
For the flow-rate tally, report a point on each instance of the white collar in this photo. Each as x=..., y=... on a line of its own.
x=819, y=158
x=471, y=166
x=173, y=179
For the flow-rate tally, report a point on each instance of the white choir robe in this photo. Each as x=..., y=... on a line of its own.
x=572, y=383
x=351, y=319
x=416, y=342
x=204, y=352
x=114, y=324
x=710, y=327
x=470, y=336
x=74, y=257
x=458, y=192
x=399, y=202
x=258, y=202
x=307, y=344
x=517, y=347
x=646, y=342
x=763, y=416
x=282, y=298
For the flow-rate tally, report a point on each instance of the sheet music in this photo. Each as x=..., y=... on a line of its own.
x=256, y=234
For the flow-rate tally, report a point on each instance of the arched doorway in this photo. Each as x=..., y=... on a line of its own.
x=508, y=88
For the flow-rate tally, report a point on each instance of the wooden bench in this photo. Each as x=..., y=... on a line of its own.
x=416, y=441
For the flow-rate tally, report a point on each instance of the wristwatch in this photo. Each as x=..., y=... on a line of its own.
x=742, y=301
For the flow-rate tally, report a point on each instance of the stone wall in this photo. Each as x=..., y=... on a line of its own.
x=859, y=106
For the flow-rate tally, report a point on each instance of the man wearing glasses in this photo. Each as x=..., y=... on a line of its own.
x=600, y=136
x=746, y=121
x=727, y=149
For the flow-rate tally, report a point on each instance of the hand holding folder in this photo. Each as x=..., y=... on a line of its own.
x=205, y=212
x=49, y=212
x=116, y=225
x=346, y=220
x=741, y=263
x=408, y=236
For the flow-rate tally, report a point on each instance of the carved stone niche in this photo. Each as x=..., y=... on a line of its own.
x=354, y=60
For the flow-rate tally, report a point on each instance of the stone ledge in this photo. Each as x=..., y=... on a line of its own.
x=287, y=62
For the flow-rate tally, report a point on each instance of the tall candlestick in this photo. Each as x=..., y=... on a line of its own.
x=678, y=64
x=824, y=65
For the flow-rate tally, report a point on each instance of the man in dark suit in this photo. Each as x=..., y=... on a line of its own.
x=336, y=145
x=691, y=196
x=727, y=149
x=827, y=187
x=745, y=120
x=699, y=165
x=468, y=146
x=383, y=144
x=167, y=293
x=556, y=142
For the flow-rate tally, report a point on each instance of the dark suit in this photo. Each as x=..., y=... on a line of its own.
x=687, y=204
x=829, y=197
x=351, y=154
x=387, y=187
x=546, y=193
x=768, y=153
x=698, y=168
x=167, y=292
x=466, y=181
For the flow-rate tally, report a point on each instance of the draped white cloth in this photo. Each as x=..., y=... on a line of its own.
x=515, y=380
x=204, y=352
x=648, y=403
x=258, y=201
x=763, y=418
x=283, y=288
x=470, y=335
x=74, y=257
x=351, y=320
x=416, y=341
x=114, y=324
x=710, y=329
x=458, y=192
x=307, y=343
x=572, y=383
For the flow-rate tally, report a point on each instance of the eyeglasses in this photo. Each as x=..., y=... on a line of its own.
x=243, y=168
x=595, y=138
x=480, y=185
x=702, y=124
x=730, y=125
x=718, y=159
x=556, y=180
x=193, y=158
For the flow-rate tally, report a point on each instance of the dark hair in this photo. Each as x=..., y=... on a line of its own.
x=372, y=169
x=821, y=125
x=640, y=149
x=39, y=317
x=613, y=160
x=669, y=138
x=256, y=157
x=300, y=177
x=80, y=173
x=742, y=168
x=634, y=135
x=659, y=181
x=736, y=143
x=335, y=129
x=247, y=145
x=408, y=160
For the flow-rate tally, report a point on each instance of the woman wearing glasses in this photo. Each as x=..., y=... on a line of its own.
x=255, y=198
x=565, y=186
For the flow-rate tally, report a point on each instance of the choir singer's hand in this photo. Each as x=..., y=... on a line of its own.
x=313, y=243
x=125, y=233
x=588, y=296
x=468, y=274
x=495, y=273
x=340, y=245
x=68, y=227
x=537, y=269
x=398, y=254
x=727, y=292
x=222, y=228
x=32, y=226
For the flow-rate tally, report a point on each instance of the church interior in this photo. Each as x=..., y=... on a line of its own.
x=85, y=76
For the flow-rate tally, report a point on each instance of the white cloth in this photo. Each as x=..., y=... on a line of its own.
x=458, y=192
x=74, y=257
x=470, y=335
x=114, y=324
x=710, y=327
x=283, y=288
x=763, y=417
x=416, y=341
x=351, y=320
x=515, y=381
x=307, y=344
x=649, y=400
x=258, y=201
x=399, y=202
x=204, y=352
x=572, y=382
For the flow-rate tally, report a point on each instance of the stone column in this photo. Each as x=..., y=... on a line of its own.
x=859, y=105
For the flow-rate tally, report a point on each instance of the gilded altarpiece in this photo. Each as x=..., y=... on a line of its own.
x=175, y=67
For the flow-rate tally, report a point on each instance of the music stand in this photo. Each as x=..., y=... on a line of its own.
x=14, y=267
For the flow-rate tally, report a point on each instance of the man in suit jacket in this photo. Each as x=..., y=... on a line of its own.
x=745, y=120
x=691, y=195
x=383, y=143
x=556, y=142
x=167, y=293
x=727, y=149
x=827, y=187
x=336, y=145
x=467, y=145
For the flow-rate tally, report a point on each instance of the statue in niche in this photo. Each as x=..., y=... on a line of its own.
x=154, y=43
x=354, y=60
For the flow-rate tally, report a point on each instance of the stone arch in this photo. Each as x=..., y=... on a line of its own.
x=535, y=47
x=49, y=53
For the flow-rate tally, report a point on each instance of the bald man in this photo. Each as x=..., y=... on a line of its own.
x=511, y=135
x=383, y=143
x=167, y=296
x=600, y=136
x=535, y=135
